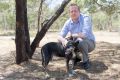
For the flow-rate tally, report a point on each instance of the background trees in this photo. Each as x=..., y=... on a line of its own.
x=107, y=12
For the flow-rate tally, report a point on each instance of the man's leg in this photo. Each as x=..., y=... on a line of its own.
x=85, y=47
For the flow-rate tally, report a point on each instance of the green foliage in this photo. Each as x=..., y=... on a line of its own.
x=100, y=21
x=11, y=21
x=100, y=10
x=4, y=6
x=109, y=7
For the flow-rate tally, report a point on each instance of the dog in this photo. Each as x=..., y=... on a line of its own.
x=57, y=49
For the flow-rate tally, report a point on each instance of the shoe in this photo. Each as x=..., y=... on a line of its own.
x=86, y=65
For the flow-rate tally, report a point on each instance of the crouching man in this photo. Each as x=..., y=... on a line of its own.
x=80, y=26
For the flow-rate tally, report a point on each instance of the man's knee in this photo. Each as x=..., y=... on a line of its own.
x=91, y=46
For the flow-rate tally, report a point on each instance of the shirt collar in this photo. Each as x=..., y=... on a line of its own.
x=76, y=21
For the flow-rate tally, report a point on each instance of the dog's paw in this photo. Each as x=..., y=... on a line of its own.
x=70, y=75
x=47, y=76
x=73, y=72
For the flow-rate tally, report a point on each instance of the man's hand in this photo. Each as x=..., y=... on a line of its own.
x=64, y=43
x=62, y=40
x=75, y=35
x=78, y=35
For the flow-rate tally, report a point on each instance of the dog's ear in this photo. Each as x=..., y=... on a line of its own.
x=69, y=38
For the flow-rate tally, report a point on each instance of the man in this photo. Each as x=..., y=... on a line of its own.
x=80, y=26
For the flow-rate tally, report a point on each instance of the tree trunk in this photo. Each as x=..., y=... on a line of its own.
x=27, y=36
x=110, y=23
x=22, y=38
x=46, y=25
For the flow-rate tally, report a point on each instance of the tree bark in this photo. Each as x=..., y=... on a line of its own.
x=46, y=25
x=22, y=35
x=27, y=35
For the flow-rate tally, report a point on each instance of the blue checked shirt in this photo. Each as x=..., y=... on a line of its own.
x=83, y=25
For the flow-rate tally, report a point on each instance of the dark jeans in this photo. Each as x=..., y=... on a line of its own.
x=85, y=47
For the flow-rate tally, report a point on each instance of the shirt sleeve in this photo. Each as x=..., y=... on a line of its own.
x=87, y=26
x=65, y=29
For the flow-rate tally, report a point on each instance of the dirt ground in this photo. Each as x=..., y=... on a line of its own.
x=105, y=61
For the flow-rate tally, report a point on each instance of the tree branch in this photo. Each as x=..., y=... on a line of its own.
x=47, y=25
x=39, y=14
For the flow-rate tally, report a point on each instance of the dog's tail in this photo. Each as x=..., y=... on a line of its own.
x=46, y=56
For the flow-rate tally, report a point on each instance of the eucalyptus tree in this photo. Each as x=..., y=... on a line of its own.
x=109, y=7
x=22, y=38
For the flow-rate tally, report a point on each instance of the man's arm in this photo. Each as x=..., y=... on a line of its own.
x=79, y=35
x=62, y=40
x=63, y=33
x=87, y=26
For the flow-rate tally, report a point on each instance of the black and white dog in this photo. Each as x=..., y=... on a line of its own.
x=55, y=48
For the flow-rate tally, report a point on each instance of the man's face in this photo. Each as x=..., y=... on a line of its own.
x=74, y=12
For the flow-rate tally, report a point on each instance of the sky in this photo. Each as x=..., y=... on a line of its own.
x=54, y=3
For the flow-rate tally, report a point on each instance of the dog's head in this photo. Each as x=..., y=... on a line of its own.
x=70, y=48
x=71, y=38
x=74, y=41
